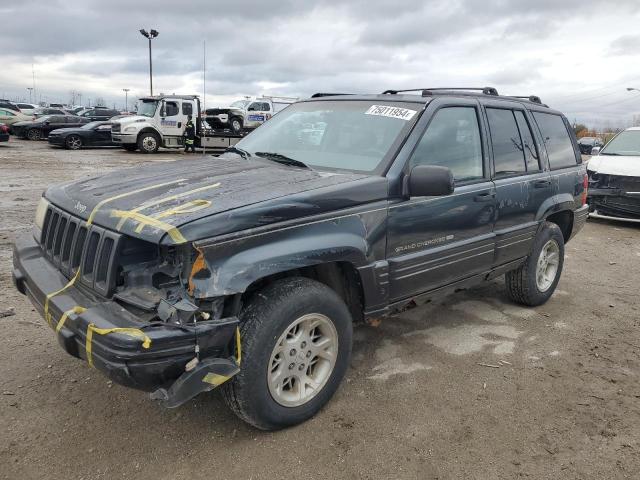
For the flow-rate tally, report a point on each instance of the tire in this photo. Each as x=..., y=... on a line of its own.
x=34, y=134
x=235, y=124
x=149, y=142
x=524, y=285
x=73, y=142
x=130, y=147
x=265, y=322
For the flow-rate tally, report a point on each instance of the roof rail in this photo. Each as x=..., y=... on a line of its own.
x=427, y=91
x=531, y=98
x=320, y=94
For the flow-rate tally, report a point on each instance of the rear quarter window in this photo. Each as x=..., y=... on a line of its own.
x=556, y=140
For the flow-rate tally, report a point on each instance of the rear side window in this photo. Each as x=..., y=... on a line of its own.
x=508, y=156
x=187, y=109
x=452, y=140
x=530, y=151
x=556, y=139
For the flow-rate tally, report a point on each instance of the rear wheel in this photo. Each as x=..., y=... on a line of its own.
x=73, y=142
x=34, y=134
x=534, y=281
x=296, y=337
x=149, y=142
x=236, y=124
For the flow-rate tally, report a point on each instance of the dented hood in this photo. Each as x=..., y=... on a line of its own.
x=189, y=200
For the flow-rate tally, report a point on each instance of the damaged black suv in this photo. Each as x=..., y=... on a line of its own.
x=248, y=270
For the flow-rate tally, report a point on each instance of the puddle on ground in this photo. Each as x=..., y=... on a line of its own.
x=466, y=339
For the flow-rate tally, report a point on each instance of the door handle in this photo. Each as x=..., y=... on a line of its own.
x=541, y=183
x=484, y=197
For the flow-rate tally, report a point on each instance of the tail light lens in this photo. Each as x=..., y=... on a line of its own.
x=585, y=188
x=4, y=129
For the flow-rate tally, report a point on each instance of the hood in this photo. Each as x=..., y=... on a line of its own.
x=132, y=119
x=182, y=201
x=61, y=131
x=628, y=166
x=23, y=123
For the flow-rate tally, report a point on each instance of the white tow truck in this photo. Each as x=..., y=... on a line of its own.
x=160, y=122
x=246, y=114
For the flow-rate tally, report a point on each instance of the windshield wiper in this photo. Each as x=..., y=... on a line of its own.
x=278, y=157
x=243, y=153
x=612, y=154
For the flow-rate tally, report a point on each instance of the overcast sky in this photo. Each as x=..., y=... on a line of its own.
x=578, y=55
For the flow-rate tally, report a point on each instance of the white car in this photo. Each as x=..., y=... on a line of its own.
x=27, y=108
x=614, y=177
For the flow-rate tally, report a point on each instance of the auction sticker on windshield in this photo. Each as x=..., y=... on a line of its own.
x=393, y=112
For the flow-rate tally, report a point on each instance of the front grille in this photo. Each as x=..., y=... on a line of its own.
x=70, y=244
x=115, y=127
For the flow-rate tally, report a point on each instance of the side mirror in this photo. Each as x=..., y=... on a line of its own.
x=595, y=151
x=251, y=109
x=429, y=181
x=163, y=109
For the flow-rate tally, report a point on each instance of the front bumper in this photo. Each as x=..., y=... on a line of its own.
x=55, y=140
x=122, y=357
x=124, y=138
x=615, y=202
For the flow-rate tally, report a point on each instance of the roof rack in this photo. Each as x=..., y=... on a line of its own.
x=427, y=91
x=531, y=98
x=320, y=94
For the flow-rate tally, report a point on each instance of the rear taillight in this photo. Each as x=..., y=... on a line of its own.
x=4, y=129
x=585, y=188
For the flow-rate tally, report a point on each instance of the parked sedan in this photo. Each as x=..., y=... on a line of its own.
x=27, y=108
x=40, y=127
x=9, y=117
x=4, y=133
x=40, y=112
x=96, y=134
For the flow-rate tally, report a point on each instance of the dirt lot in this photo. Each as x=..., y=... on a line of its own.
x=564, y=401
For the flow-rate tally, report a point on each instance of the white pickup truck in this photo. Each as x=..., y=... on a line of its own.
x=246, y=114
x=160, y=122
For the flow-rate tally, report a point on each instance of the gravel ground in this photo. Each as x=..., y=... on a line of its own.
x=562, y=402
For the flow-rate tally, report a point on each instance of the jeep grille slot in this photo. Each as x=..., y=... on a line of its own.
x=70, y=244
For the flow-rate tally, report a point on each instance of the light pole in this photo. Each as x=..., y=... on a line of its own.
x=151, y=34
x=30, y=90
x=126, y=99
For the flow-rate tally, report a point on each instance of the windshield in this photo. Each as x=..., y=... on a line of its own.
x=343, y=135
x=239, y=103
x=148, y=108
x=626, y=143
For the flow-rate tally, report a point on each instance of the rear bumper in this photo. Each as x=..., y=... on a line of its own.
x=119, y=356
x=579, y=219
x=4, y=137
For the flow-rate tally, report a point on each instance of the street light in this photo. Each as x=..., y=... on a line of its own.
x=30, y=90
x=151, y=34
x=126, y=99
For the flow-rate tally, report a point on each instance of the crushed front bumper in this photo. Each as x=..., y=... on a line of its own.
x=104, y=333
x=615, y=202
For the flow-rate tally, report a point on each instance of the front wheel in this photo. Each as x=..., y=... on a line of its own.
x=296, y=337
x=149, y=142
x=236, y=125
x=534, y=281
x=73, y=142
x=34, y=134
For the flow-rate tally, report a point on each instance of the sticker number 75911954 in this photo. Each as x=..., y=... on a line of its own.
x=393, y=112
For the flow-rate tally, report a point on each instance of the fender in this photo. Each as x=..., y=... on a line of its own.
x=150, y=128
x=231, y=266
x=555, y=204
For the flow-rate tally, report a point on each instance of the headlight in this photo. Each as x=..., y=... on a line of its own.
x=130, y=129
x=41, y=211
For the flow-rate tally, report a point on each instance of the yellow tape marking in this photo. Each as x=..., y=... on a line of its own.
x=167, y=199
x=132, y=332
x=189, y=207
x=48, y=317
x=145, y=220
x=238, y=347
x=77, y=310
x=215, y=379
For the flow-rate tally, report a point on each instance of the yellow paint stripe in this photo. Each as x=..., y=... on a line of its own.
x=48, y=317
x=76, y=310
x=171, y=230
x=126, y=194
x=132, y=332
x=238, y=347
